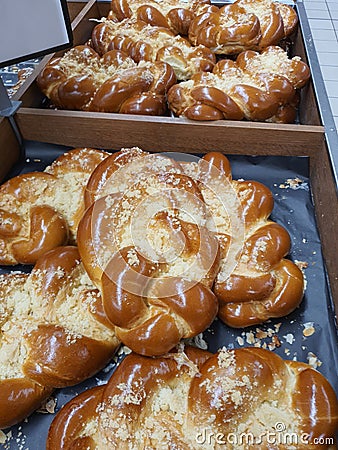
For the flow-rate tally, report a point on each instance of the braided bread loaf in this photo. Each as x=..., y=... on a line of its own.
x=255, y=87
x=54, y=332
x=129, y=223
x=243, y=25
x=146, y=246
x=173, y=14
x=41, y=210
x=114, y=83
x=149, y=43
x=254, y=282
x=197, y=400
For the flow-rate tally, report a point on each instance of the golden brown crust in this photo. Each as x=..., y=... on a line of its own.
x=82, y=80
x=254, y=282
x=243, y=25
x=229, y=30
x=172, y=14
x=53, y=332
x=145, y=244
x=256, y=87
x=143, y=42
x=41, y=210
x=170, y=402
x=82, y=407
x=19, y=398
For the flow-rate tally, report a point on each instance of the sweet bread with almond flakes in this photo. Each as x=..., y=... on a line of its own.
x=257, y=87
x=143, y=42
x=243, y=25
x=54, y=332
x=41, y=210
x=81, y=80
x=237, y=399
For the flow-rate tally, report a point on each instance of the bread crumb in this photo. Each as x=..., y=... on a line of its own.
x=250, y=338
x=48, y=406
x=309, y=329
x=290, y=339
x=313, y=360
x=240, y=340
x=295, y=184
x=197, y=341
x=301, y=264
x=3, y=437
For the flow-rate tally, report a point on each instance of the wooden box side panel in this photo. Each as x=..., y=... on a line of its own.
x=114, y=130
x=308, y=108
x=74, y=8
x=326, y=206
x=9, y=148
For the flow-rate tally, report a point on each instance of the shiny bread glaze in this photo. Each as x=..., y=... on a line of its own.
x=54, y=332
x=257, y=87
x=171, y=401
x=41, y=210
x=143, y=42
x=82, y=80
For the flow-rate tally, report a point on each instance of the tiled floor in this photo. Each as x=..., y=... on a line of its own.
x=323, y=19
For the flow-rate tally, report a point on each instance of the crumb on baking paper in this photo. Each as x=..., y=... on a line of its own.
x=109, y=366
x=48, y=406
x=309, y=329
x=295, y=184
x=275, y=343
x=240, y=340
x=301, y=264
x=3, y=437
x=290, y=339
x=100, y=382
x=123, y=350
x=197, y=341
x=313, y=360
x=277, y=326
x=260, y=334
x=250, y=337
x=261, y=338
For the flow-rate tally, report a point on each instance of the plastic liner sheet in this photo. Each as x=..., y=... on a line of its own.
x=309, y=334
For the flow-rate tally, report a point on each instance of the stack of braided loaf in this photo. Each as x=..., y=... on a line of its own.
x=137, y=57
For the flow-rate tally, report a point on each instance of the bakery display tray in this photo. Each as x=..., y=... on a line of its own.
x=104, y=129
x=309, y=334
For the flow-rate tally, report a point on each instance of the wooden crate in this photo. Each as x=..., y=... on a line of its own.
x=105, y=130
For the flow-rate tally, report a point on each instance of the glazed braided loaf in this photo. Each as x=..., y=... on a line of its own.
x=175, y=15
x=152, y=223
x=243, y=25
x=41, y=210
x=143, y=42
x=197, y=400
x=146, y=246
x=82, y=80
x=254, y=281
x=255, y=87
x=54, y=332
